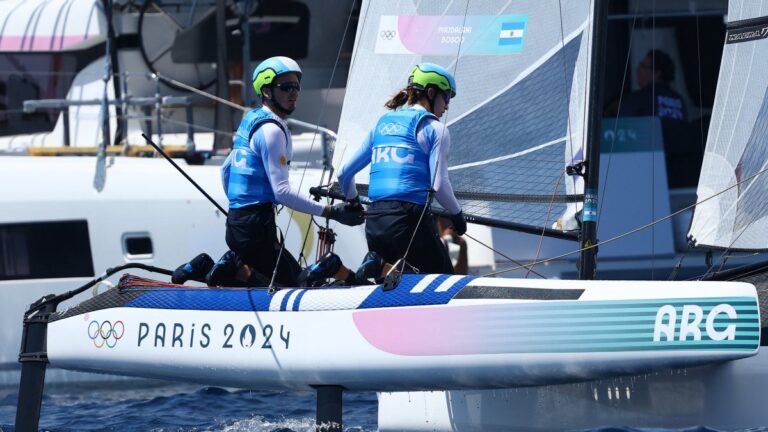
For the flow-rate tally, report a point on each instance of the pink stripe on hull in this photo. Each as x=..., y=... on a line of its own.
x=418, y=331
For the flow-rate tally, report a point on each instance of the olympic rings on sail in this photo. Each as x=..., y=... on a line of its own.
x=387, y=34
x=105, y=333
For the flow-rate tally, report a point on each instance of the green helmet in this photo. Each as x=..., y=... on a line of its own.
x=425, y=74
x=271, y=68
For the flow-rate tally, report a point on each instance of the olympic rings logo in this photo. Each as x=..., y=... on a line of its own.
x=106, y=333
x=390, y=128
x=387, y=34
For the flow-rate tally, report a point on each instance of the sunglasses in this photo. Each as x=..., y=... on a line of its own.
x=446, y=97
x=288, y=87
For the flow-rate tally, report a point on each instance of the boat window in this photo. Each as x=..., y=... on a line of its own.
x=29, y=75
x=137, y=246
x=41, y=250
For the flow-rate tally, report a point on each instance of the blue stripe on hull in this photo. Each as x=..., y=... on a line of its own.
x=258, y=299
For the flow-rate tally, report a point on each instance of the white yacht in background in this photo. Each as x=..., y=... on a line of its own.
x=134, y=218
x=58, y=231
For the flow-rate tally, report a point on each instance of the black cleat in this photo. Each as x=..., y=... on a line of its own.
x=224, y=271
x=195, y=269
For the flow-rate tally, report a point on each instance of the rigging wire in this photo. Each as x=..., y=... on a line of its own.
x=569, y=125
x=653, y=136
x=431, y=192
x=633, y=231
x=685, y=254
x=701, y=99
x=618, y=110
x=546, y=221
x=529, y=267
x=311, y=146
x=304, y=171
x=569, y=140
x=246, y=109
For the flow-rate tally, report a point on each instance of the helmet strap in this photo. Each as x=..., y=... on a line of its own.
x=275, y=106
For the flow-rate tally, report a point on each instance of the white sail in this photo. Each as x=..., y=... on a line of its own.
x=514, y=117
x=737, y=215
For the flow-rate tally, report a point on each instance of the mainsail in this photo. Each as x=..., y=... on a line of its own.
x=518, y=119
x=737, y=215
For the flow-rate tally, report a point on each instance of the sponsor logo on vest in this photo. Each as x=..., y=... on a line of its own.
x=688, y=325
x=390, y=128
x=387, y=154
x=239, y=159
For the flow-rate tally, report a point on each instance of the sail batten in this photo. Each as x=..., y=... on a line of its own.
x=734, y=211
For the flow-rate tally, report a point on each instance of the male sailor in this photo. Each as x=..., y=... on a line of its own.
x=408, y=153
x=255, y=179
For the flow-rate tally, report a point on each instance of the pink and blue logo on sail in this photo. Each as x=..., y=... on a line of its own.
x=451, y=35
x=512, y=33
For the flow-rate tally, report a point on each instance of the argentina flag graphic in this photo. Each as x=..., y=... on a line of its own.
x=512, y=33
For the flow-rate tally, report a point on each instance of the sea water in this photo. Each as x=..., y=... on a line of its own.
x=168, y=407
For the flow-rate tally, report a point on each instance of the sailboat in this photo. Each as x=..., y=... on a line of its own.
x=431, y=332
x=729, y=216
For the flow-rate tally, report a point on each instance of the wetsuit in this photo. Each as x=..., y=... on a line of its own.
x=407, y=149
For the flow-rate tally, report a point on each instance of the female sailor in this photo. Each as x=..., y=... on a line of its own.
x=408, y=153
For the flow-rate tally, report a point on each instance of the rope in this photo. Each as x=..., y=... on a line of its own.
x=529, y=267
x=628, y=233
x=431, y=192
x=311, y=146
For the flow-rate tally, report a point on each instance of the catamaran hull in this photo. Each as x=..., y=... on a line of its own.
x=280, y=350
x=725, y=396
x=432, y=332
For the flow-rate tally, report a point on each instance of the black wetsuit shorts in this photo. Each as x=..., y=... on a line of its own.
x=389, y=227
x=252, y=235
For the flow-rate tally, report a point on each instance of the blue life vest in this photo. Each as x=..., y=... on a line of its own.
x=244, y=177
x=399, y=166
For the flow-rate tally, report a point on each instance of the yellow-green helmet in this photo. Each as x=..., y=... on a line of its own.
x=425, y=74
x=269, y=69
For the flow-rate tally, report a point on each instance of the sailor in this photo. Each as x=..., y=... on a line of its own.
x=655, y=97
x=255, y=179
x=408, y=153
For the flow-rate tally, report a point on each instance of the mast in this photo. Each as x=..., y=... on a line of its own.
x=115, y=72
x=594, y=118
x=223, y=119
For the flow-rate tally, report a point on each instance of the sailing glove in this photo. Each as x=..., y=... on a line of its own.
x=459, y=224
x=347, y=214
x=355, y=203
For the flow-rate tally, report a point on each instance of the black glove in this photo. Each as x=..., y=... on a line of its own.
x=355, y=203
x=347, y=214
x=459, y=224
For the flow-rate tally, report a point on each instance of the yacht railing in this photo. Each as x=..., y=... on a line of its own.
x=158, y=102
x=144, y=102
